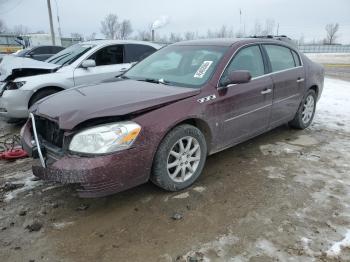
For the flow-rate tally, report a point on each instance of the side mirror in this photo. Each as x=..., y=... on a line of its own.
x=88, y=63
x=238, y=77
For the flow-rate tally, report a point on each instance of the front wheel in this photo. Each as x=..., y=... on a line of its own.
x=306, y=112
x=180, y=158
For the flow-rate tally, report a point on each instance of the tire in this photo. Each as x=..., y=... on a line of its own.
x=170, y=178
x=41, y=94
x=305, y=114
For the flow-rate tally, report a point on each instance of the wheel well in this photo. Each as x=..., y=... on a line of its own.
x=202, y=126
x=55, y=88
x=315, y=88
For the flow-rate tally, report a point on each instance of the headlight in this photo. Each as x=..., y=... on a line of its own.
x=14, y=85
x=105, y=138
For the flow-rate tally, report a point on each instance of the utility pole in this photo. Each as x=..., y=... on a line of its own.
x=51, y=23
x=278, y=27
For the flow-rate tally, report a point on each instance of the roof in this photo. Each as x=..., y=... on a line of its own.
x=228, y=41
x=110, y=42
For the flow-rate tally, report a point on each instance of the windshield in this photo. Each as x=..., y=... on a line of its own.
x=187, y=66
x=70, y=54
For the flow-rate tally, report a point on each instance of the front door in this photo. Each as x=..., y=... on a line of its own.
x=109, y=64
x=245, y=108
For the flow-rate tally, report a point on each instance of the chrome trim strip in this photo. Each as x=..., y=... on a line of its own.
x=257, y=109
x=271, y=73
x=42, y=160
x=286, y=98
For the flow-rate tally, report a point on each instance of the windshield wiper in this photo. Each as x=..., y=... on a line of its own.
x=157, y=81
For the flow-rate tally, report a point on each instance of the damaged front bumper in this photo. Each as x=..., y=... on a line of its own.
x=96, y=176
x=14, y=103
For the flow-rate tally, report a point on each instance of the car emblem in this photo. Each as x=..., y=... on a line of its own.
x=206, y=99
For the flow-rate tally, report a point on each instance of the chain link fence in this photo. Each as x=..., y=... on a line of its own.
x=324, y=48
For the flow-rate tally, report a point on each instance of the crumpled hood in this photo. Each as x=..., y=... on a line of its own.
x=12, y=67
x=74, y=106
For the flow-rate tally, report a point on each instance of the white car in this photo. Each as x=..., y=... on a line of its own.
x=24, y=81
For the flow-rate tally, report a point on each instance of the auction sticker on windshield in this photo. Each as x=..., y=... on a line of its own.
x=203, y=69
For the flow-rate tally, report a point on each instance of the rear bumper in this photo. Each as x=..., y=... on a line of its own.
x=97, y=176
x=14, y=103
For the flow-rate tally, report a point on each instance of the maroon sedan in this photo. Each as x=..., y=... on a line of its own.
x=161, y=119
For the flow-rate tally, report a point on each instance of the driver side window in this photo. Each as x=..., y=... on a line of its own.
x=109, y=55
x=249, y=59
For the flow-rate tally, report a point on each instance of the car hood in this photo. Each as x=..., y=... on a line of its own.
x=74, y=106
x=12, y=67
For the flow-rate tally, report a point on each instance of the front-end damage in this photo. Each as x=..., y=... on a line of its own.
x=94, y=176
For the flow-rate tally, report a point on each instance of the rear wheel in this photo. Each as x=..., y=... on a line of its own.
x=180, y=158
x=306, y=111
x=41, y=94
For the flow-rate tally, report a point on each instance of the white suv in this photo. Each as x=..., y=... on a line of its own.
x=24, y=81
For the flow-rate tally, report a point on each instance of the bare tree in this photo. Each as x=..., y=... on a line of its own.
x=76, y=36
x=125, y=29
x=257, y=30
x=91, y=37
x=110, y=26
x=332, y=30
x=3, y=28
x=144, y=35
x=173, y=38
x=269, y=27
x=222, y=33
x=20, y=30
x=190, y=35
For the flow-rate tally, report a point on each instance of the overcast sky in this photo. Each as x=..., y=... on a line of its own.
x=295, y=17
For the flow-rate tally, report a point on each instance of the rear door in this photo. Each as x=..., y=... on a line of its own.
x=109, y=63
x=288, y=78
x=245, y=108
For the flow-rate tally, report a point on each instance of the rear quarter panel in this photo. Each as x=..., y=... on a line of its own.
x=314, y=73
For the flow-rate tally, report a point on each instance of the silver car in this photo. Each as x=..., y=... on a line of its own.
x=24, y=81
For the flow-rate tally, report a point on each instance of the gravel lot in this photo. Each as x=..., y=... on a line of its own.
x=283, y=196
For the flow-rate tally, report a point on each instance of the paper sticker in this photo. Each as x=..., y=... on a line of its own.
x=203, y=69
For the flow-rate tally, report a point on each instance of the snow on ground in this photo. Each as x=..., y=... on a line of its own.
x=333, y=109
x=320, y=228
x=330, y=58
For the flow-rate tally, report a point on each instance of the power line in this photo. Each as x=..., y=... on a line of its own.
x=11, y=8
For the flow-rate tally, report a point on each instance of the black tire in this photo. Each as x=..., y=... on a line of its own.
x=41, y=94
x=298, y=122
x=160, y=175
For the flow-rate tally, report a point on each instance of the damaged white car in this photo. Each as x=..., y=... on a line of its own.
x=24, y=81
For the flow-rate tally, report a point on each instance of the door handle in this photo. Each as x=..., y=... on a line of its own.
x=300, y=80
x=266, y=91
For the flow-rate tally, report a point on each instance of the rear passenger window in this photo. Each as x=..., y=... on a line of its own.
x=296, y=58
x=135, y=52
x=249, y=59
x=281, y=58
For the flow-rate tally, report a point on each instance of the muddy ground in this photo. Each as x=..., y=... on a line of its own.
x=283, y=196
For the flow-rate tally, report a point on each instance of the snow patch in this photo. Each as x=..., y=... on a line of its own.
x=29, y=184
x=338, y=246
x=199, y=189
x=61, y=225
x=182, y=195
x=218, y=248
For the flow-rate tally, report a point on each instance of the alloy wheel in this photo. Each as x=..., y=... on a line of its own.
x=183, y=159
x=308, y=109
